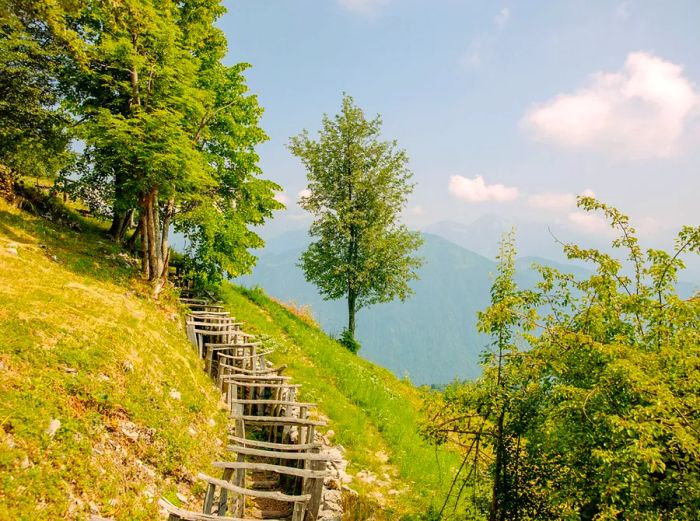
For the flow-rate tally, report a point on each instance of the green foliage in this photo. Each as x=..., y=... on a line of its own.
x=169, y=131
x=358, y=187
x=34, y=132
x=349, y=342
x=589, y=407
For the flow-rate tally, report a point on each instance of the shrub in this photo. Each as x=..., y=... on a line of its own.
x=349, y=342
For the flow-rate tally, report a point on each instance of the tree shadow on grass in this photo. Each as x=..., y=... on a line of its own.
x=80, y=245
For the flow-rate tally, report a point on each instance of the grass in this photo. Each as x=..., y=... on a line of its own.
x=375, y=415
x=84, y=352
x=104, y=406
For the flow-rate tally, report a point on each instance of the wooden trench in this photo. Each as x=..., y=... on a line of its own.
x=276, y=470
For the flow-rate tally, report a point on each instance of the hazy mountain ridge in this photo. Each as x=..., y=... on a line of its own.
x=432, y=336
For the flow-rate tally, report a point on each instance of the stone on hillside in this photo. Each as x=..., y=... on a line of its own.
x=175, y=395
x=54, y=425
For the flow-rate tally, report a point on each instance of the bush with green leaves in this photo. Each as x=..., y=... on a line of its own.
x=348, y=341
x=589, y=402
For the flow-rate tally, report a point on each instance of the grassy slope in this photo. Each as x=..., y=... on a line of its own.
x=79, y=343
x=373, y=414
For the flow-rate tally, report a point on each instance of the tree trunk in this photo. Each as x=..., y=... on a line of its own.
x=145, y=270
x=165, y=247
x=120, y=225
x=499, y=483
x=131, y=243
x=154, y=258
x=155, y=250
x=352, y=308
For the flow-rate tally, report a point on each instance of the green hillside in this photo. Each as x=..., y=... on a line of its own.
x=104, y=406
x=374, y=415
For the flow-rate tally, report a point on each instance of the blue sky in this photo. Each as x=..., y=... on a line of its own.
x=504, y=108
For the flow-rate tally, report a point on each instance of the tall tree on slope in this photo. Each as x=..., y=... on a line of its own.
x=358, y=185
x=170, y=131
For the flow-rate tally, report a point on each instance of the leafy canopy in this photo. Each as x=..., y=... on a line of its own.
x=357, y=188
x=589, y=403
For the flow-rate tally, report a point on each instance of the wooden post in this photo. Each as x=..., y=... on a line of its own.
x=223, y=497
x=314, y=486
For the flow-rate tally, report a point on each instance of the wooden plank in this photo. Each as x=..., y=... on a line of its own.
x=278, y=496
x=261, y=377
x=275, y=402
x=187, y=515
x=243, y=370
x=276, y=446
x=268, y=467
x=232, y=379
x=275, y=454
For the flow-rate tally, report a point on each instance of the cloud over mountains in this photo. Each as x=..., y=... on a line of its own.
x=642, y=111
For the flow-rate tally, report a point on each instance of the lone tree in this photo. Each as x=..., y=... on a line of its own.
x=358, y=185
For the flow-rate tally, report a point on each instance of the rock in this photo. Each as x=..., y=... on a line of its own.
x=54, y=425
x=382, y=456
x=181, y=497
x=130, y=430
x=127, y=366
x=331, y=484
x=332, y=501
x=366, y=476
x=175, y=395
x=12, y=250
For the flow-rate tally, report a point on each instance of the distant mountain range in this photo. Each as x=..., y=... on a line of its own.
x=431, y=337
x=532, y=238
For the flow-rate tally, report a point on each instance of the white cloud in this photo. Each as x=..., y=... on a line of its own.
x=282, y=198
x=417, y=210
x=303, y=194
x=502, y=17
x=589, y=222
x=555, y=201
x=365, y=7
x=476, y=190
x=642, y=111
x=551, y=201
